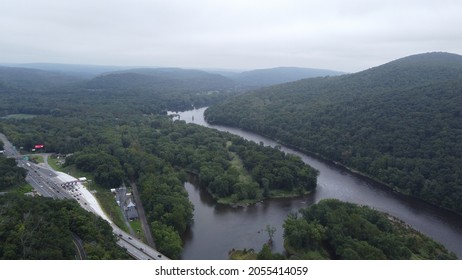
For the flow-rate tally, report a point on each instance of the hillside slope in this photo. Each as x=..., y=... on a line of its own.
x=279, y=75
x=170, y=79
x=34, y=79
x=400, y=123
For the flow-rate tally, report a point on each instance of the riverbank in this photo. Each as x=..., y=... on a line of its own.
x=193, y=178
x=338, y=165
x=207, y=238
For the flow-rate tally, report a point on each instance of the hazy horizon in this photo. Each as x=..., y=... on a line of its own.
x=347, y=36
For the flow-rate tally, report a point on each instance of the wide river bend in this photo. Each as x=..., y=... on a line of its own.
x=218, y=228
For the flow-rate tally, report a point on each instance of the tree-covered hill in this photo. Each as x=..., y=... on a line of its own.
x=79, y=70
x=172, y=88
x=169, y=79
x=122, y=139
x=332, y=229
x=400, y=123
x=279, y=75
x=46, y=229
x=139, y=94
x=34, y=79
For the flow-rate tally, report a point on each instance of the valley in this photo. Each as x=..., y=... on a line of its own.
x=398, y=124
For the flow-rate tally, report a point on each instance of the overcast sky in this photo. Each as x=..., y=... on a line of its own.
x=244, y=34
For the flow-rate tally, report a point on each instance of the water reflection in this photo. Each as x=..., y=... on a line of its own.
x=218, y=228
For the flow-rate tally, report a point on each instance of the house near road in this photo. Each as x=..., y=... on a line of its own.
x=124, y=200
x=131, y=211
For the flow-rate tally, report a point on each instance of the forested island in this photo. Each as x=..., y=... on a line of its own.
x=399, y=123
x=337, y=230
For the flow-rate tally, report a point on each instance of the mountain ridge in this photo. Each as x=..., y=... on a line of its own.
x=278, y=75
x=28, y=78
x=400, y=123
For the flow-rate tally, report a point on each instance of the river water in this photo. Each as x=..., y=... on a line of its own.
x=218, y=228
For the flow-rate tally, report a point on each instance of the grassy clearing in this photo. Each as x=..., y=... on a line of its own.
x=37, y=159
x=20, y=116
x=286, y=194
x=107, y=202
x=26, y=188
x=236, y=162
x=136, y=226
x=230, y=200
x=53, y=162
x=243, y=254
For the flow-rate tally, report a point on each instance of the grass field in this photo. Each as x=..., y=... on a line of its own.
x=37, y=159
x=136, y=226
x=20, y=116
x=20, y=190
x=236, y=162
x=53, y=162
x=243, y=255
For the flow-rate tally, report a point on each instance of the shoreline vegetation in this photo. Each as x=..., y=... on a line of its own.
x=339, y=165
x=332, y=229
x=261, y=173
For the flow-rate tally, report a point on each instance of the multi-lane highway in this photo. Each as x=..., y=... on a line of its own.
x=44, y=181
x=49, y=183
x=136, y=247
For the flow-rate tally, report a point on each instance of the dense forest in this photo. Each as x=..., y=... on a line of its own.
x=11, y=175
x=399, y=123
x=36, y=228
x=157, y=153
x=332, y=229
x=118, y=135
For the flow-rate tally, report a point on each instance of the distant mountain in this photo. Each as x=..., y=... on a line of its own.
x=169, y=79
x=28, y=75
x=400, y=123
x=79, y=70
x=279, y=75
x=26, y=78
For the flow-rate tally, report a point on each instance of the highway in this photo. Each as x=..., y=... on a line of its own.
x=48, y=183
x=138, y=249
x=44, y=181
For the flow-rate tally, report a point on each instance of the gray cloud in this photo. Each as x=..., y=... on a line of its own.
x=336, y=34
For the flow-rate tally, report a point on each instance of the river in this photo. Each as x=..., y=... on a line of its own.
x=218, y=228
